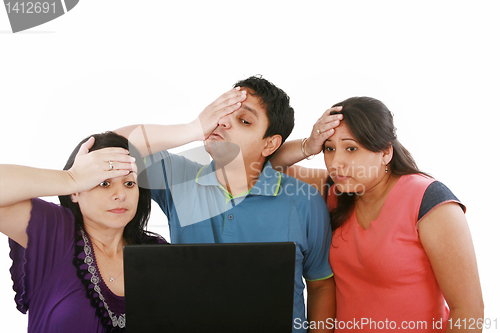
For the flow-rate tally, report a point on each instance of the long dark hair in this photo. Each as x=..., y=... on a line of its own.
x=134, y=232
x=371, y=123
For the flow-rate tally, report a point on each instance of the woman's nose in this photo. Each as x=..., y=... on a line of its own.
x=119, y=193
x=334, y=162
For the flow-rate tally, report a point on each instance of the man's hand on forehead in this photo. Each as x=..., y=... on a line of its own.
x=226, y=104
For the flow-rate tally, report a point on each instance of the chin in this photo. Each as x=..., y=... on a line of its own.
x=350, y=189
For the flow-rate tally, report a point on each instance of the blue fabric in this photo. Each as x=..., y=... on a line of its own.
x=434, y=195
x=278, y=208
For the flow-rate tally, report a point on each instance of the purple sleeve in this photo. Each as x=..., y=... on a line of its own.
x=50, y=237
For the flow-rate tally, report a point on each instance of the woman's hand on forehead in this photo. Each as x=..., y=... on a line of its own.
x=91, y=168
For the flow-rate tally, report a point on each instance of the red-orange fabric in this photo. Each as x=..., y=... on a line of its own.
x=383, y=275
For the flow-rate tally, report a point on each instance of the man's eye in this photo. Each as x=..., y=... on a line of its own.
x=104, y=184
x=329, y=149
x=130, y=184
x=244, y=121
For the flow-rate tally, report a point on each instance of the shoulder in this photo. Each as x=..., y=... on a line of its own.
x=416, y=181
x=426, y=193
x=164, y=169
x=435, y=195
x=298, y=190
x=49, y=211
x=153, y=238
x=51, y=226
x=315, y=177
x=310, y=205
x=194, y=158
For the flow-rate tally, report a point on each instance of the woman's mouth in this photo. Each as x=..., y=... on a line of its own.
x=340, y=178
x=118, y=210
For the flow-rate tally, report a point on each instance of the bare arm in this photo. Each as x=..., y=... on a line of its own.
x=295, y=151
x=150, y=139
x=446, y=239
x=19, y=184
x=321, y=303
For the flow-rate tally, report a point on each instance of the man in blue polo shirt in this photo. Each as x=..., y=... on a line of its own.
x=239, y=197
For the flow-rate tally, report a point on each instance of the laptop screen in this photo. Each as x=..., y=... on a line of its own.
x=242, y=287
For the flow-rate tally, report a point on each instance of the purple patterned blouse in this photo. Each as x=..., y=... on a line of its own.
x=57, y=279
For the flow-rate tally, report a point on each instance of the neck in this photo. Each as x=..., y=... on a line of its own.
x=238, y=177
x=110, y=242
x=378, y=192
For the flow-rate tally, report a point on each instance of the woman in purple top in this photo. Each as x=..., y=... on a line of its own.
x=68, y=260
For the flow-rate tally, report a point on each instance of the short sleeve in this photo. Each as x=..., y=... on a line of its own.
x=319, y=236
x=435, y=195
x=50, y=241
x=165, y=172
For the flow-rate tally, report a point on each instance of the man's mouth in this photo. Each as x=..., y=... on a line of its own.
x=215, y=136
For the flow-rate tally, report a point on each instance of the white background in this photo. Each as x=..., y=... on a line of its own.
x=108, y=64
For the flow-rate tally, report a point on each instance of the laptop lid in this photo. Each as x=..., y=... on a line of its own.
x=243, y=287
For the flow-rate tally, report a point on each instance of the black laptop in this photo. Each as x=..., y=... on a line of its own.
x=242, y=287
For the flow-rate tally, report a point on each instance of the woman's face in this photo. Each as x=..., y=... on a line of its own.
x=110, y=205
x=352, y=167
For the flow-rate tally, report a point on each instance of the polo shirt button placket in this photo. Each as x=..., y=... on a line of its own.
x=230, y=216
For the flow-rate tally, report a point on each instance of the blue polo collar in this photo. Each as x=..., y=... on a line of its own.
x=268, y=184
x=206, y=175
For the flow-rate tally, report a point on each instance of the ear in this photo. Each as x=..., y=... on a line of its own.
x=74, y=197
x=272, y=144
x=387, y=155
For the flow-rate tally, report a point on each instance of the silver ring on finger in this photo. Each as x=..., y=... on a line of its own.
x=318, y=131
x=110, y=165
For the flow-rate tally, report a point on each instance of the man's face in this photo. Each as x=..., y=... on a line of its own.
x=244, y=128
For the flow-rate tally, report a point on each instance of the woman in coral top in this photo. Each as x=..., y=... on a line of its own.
x=401, y=253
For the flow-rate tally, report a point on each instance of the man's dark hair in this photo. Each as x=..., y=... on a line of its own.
x=276, y=103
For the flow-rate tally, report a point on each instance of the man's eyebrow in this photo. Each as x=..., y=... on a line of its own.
x=247, y=108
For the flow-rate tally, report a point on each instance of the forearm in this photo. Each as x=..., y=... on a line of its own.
x=465, y=320
x=294, y=151
x=19, y=183
x=287, y=155
x=321, y=305
x=150, y=139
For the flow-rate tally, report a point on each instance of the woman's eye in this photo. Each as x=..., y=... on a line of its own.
x=352, y=149
x=130, y=184
x=244, y=121
x=104, y=184
x=329, y=149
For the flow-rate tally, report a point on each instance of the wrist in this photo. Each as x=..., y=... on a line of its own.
x=71, y=184
x=196, y=130
x=305, y=153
